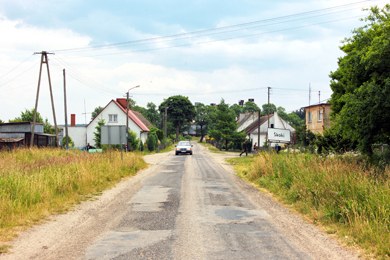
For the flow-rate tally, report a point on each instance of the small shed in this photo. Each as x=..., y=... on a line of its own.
x=18, y=134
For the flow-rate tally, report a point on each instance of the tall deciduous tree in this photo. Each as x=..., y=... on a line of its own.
x=361, y=84
x=224, y=124
x=180, y=111
x=152, y=114
x=201, y=119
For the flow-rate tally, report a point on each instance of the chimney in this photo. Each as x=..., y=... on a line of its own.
x=122, y=102
x=72, y=119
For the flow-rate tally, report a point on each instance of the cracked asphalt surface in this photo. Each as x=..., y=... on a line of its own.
x=181, y=207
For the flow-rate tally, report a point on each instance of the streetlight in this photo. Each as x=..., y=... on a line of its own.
x=127, y=116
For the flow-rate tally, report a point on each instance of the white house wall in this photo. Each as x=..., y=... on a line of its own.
x=78, y=135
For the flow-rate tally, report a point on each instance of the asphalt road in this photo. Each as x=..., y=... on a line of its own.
x=182, y=207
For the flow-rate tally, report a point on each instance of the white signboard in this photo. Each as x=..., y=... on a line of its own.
x=279, y=135
x=113, y=134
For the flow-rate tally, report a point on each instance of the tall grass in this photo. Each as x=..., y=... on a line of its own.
x=341, y=193
x=39, y=182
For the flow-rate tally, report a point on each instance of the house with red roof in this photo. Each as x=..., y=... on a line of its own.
x=114, y=113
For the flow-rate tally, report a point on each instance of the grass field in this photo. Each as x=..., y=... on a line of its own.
x=345, y=196
x=39, y=182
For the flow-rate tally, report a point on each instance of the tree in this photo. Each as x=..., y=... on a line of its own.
x=201, y=119
x=152, y=141
x=98, y=133
x=132, y=140
x=180, y=111
x=152, y=114
x=224, y=128
x=28, y=116
x=237, y=109
x=361, y=84
x=1, y=121
x=96, y=112
x=70, y=142
x=268, y=109
x=250, y=107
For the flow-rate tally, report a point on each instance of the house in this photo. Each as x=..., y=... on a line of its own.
x=18, y=134
x=114, y=113
x=317, y=117
x=249, y=122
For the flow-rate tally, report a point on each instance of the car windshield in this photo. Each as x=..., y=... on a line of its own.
x=184, y=143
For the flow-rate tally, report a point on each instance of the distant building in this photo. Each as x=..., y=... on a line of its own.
x=250, y=122
x=114, y=113
x=18, y=134
x=317, y=117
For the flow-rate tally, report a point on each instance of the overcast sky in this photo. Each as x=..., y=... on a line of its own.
x=206, y=50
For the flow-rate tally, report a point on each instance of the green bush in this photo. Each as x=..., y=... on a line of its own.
x=152, y=141
x=70, y=142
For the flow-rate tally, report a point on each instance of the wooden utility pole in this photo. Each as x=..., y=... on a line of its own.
x=258, y=129
x=269, y=93
x=45, y=60
x=66, y=114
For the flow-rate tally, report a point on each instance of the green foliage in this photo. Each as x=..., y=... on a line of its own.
x=361, y=84
x=48, y=128
x=133, y=141
x=1, y=121
x=268, y=109
x=250, y=107
x=202, y=119
x=180, y=111
x=152, y=114
x=98, y=133
x=96, y=112
x=237, y=109
x=152, y=141
x=223, y=129
x=28, y=116
x=70, y=142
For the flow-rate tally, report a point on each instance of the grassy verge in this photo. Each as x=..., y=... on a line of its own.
x=345, y=197
x=211, y=148
x=39, y=182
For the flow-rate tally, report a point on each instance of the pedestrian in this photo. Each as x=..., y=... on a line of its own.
x=255, y=147
x=245, y=149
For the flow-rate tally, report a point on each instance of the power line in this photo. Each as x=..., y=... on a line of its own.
x=219, y=30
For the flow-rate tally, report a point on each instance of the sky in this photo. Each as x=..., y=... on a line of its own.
x=204, y=50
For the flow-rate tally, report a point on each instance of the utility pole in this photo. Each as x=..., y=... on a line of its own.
x=66, y=113
x=258, y=129
x=45, y=60
x=269, y=93
x=127, y=116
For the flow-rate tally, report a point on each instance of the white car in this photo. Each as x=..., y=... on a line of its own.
x=183, y=147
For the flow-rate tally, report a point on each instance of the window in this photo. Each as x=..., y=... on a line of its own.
x=320, y=115
x=309, y=116
x=112, y=118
